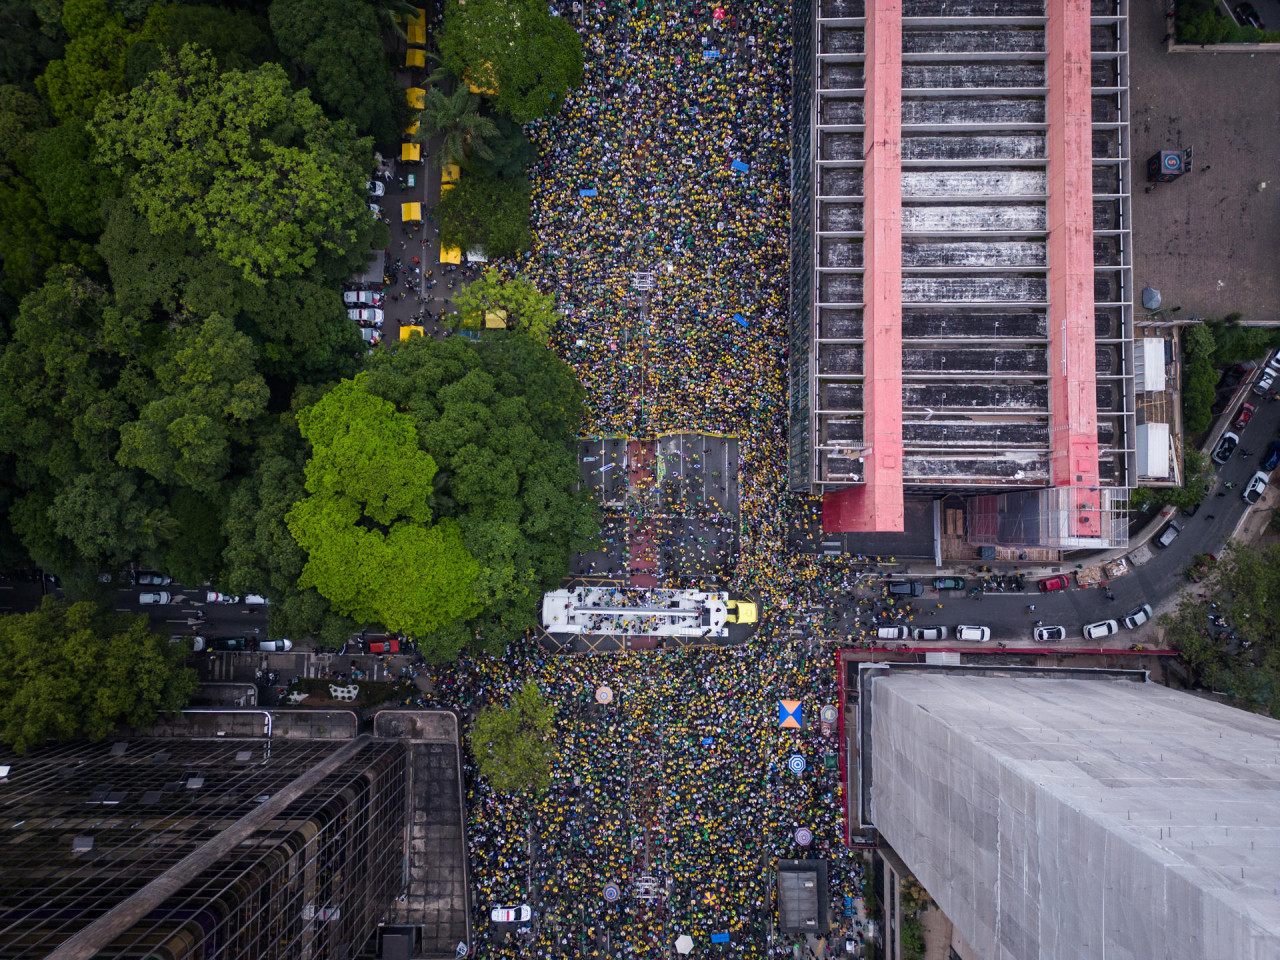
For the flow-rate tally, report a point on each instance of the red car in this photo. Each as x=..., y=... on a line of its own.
x=390, y=645
x=1050, y=584
x=1244, y=416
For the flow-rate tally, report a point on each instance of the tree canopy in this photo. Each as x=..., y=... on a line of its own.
x=525, y=309
x=280, y=188
x=72, y=669
x=525, y=58
x=489, y=213
x=513, y=745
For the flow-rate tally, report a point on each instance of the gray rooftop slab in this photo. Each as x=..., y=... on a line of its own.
x=1067, y=818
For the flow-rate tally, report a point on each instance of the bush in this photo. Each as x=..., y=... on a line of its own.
x=1200, y=22
x=912, y=936
x=1236, y=344
x=1201, y=380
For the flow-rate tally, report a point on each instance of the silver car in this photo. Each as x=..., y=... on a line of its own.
x=159, y=597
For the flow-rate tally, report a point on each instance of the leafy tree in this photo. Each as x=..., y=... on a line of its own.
x=392, y=14
x=516, y=48
x=194, y=555
x=1200, y=378
x=25, y=49
x=338, y=46
x=23, y=120
x=500, y=422
x=1235, y=344
x=1243, y=659
x=487, y=213
x=252, y=167
x=73, y=669
x=238, y=40
x=514, y=745
x=365, y=525
x=457, y=117
x=518, y=299
x=210, y=392
x=93, y=64
x=71, y=185
x=512, y=153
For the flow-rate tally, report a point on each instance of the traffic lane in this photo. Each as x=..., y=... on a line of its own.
x=182, y=613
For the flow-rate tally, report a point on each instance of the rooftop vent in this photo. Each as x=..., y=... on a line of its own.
x=82, y=844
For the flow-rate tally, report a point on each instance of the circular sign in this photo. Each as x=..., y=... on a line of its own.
x=829, y=714
x=796, y=764
x=1172, y=161
x=611, y=892
x=604, y=695
x=804, y=836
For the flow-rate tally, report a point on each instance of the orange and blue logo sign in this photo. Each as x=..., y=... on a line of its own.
x=789, y=714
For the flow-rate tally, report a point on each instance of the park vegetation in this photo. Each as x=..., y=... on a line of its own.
x=1240, y=660
x=513, y=745
x=182, y=195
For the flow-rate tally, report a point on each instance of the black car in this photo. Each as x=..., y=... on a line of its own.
x=905, y=588
x=229, y=644
x=1272, y=457
x=1247, y=16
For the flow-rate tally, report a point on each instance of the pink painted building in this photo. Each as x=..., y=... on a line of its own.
x=960, y=278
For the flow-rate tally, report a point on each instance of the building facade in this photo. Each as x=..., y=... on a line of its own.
x=961, y=299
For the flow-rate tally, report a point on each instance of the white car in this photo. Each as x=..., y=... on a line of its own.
x=1050, y=634
x=254, y=599
x=213, y=597
x=520, y=914
x=1103, y=628
x=976, y=634
x=1138, y=617
x=375, y=188
x=1255, y=488
x=929, y=633
x=375, y=210
x=275, y=646
x=152, y=580
x=147, y=599
x=365, y=314
x=357, y=297
x=367, y=334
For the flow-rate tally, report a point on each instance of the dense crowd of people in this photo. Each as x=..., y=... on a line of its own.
x=682, y=776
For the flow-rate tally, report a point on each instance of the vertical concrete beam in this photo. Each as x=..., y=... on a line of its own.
x=1072, y=367
x=877, y=505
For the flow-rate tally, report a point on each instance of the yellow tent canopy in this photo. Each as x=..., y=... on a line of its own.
x=450, y=173
x=414, y=57
x=408, y=331
x=446, y=187
x=416, y=97
x=410, y=130
x=450, y=254
x=417, y=33
x=410, y=212
x=411, y=152
x=495, y=319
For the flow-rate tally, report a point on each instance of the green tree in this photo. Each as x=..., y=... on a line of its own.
x=514, y=745
x=72, y=186
x=72, y=669
x=365, y=525
x=25, y=49
x=252, y=167
x=239, y=40
x=93, y=65
x=1200, y=380
x=393, y=14
x=457, y=117
x=23, y=120
x=337, y=44
x=525, y=309
x=209, y=393
x=516, y=48
x=512, y=153
x=487, y=213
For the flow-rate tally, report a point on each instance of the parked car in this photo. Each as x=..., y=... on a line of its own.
x=196, y=644
x=905, y=588
x=929, y=633
x=229, y=644
x=1247, y=16
x=1169, y=534
x=1050, y=584
x=1264, y=383
x=160, y=596
x=1271, y=459
x=368, y=334
x=365, y=314
x=1103, y=628
x=256, y=600
x=1138, y=617
x=1225, y=448
x=976, y=634
x=1255, y=488
x=948, y=583
x=1273, y=363
x=353, y=298
x=1050, y=634
x=1243, y=416
x=519, y=914
x=375, y=210
x=375, y=188
x=275, y=646
x=212, y=596
x=389, y=645
x=144, y=579
x=892, y=633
